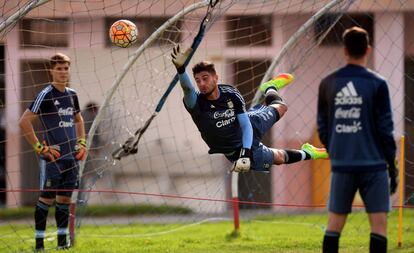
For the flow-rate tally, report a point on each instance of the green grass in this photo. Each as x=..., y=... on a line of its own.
x=300, y=233
x=100, y=211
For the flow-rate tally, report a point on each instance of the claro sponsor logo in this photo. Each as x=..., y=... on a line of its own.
x=66, y=123
x=225, y=122
x=343, y=128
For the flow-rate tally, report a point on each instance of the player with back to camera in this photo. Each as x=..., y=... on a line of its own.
x=355, y=125
x=63, y=145
x=219, y=112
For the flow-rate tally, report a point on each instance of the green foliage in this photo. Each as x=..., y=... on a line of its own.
x=100, y=211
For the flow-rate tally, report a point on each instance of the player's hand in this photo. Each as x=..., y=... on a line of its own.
x=243, y=163
x=393, y=174
x=179, y=58
x=48, y=153
x=80, y=149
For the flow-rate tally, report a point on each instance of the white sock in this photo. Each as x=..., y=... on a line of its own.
x=303, y=153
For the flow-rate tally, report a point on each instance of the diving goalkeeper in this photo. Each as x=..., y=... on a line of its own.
x=219, y=112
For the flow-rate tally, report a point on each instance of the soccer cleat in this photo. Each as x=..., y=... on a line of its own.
x=314, y=152
x=278, y=82
x=62, y=243
x=64, y=247
x=39, y=245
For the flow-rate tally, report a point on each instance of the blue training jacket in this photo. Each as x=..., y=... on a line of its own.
x=355, y=120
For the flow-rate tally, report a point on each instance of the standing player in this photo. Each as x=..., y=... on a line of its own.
x=63, y=145
x=219, y=112
x=355, y=125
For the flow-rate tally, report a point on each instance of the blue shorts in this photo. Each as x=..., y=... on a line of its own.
x=262, y=119
x=59, y=175
x=373, y=188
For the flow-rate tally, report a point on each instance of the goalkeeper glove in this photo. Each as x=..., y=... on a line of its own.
x=393, y=174
x=80, y=150
x=243, y=163
x=44, y=151
x=179, y=58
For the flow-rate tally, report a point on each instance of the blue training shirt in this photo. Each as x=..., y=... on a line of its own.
x=217, y=119
x=355, y=119
x=57, y=112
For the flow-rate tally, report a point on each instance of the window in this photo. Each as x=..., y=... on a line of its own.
x=146, y=26
x=334, y=36
x=44, y=32
x=247, y=77
x=249, y=30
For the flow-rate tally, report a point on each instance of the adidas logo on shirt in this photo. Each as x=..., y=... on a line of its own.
x=56, y=102
x=348, y=96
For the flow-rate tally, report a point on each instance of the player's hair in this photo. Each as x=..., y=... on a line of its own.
x=204, y=66
x=58, y=58
x=356, y=41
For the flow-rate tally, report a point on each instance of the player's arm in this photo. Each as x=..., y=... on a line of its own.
x=80, y=126
x=80, y=147
x=247, y=130
x=26, y=125
x=178, y=59
x=385, y=123
x=322, y=114
x=243, y=163
x=385, y=127
x=190, y=94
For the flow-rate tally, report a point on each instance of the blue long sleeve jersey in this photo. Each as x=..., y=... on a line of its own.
x=216, y=119
x=355, y=119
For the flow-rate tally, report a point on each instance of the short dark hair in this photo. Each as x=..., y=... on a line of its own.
x=204, y=66
x=356, y=41
x=58, y=58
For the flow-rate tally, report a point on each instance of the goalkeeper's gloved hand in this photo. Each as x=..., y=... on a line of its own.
x=179, y=58
x=393, y=174
x=50, y=154
x=243, y=163
x=80, y=149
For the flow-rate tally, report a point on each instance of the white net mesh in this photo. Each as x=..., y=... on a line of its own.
x=172, y=179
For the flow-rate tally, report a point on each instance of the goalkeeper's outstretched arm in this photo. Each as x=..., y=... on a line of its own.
x=190, y=94
x=179, y=58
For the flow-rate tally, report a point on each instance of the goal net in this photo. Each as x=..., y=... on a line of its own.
x=172, y=180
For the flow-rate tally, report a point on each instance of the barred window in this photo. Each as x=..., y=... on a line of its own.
x=334, y=36
x=249, y=30
x=44, y=32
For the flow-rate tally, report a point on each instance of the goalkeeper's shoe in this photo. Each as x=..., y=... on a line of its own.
x=314, y=152
x=278, y=82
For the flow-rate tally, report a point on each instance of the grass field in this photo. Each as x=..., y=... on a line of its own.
x=263, y=234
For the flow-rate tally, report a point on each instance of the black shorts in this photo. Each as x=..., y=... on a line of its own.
x=372, y=186
x=56, y=177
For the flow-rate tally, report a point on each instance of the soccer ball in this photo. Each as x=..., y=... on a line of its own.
x=123, y=33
